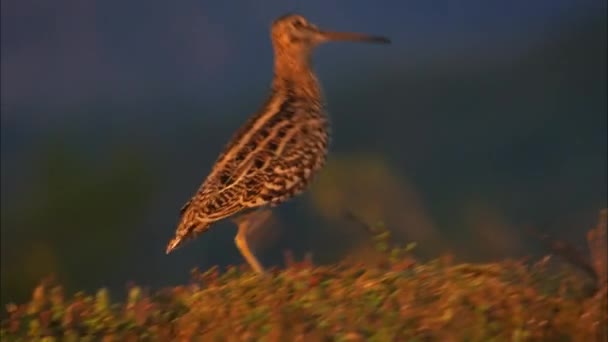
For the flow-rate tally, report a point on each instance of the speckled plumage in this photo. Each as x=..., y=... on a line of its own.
x=270, y=159
x=278, y=151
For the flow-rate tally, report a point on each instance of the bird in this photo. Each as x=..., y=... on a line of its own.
x=278, y=151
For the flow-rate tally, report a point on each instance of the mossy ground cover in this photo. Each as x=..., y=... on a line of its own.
x=395, y=298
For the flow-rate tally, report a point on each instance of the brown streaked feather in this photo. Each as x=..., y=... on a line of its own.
x=270, y=159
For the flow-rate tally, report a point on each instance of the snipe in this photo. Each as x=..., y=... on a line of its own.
x=276, y=153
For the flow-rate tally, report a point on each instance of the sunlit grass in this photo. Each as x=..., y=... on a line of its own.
x=392, y=298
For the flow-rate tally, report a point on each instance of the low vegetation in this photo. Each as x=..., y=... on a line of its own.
x=394, y=299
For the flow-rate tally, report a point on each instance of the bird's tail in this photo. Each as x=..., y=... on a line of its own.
x=174, y=243
x=186, y=231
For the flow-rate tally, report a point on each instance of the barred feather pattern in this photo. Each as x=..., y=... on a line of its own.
x=270, y=159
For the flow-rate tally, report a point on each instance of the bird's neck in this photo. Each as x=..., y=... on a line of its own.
x=297, y=75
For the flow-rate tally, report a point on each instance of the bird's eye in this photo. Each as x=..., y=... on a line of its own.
x=298, y=23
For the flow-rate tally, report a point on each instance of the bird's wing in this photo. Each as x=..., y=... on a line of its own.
x=210, y=207
x=223, y=194
x=268, y=162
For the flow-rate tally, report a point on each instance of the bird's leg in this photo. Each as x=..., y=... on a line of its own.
x=246, y=223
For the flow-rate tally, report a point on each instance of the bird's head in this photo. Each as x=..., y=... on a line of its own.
x=293, y=33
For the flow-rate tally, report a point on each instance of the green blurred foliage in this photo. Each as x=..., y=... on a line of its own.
x=368, y=186
x=75, y=208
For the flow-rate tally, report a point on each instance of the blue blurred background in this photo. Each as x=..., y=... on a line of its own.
x=481, y=120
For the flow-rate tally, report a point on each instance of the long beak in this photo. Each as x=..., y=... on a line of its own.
x=351, y=36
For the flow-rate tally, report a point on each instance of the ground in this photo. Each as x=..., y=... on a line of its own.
x=391, y=298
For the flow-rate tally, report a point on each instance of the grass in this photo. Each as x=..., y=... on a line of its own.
x=395, y=298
